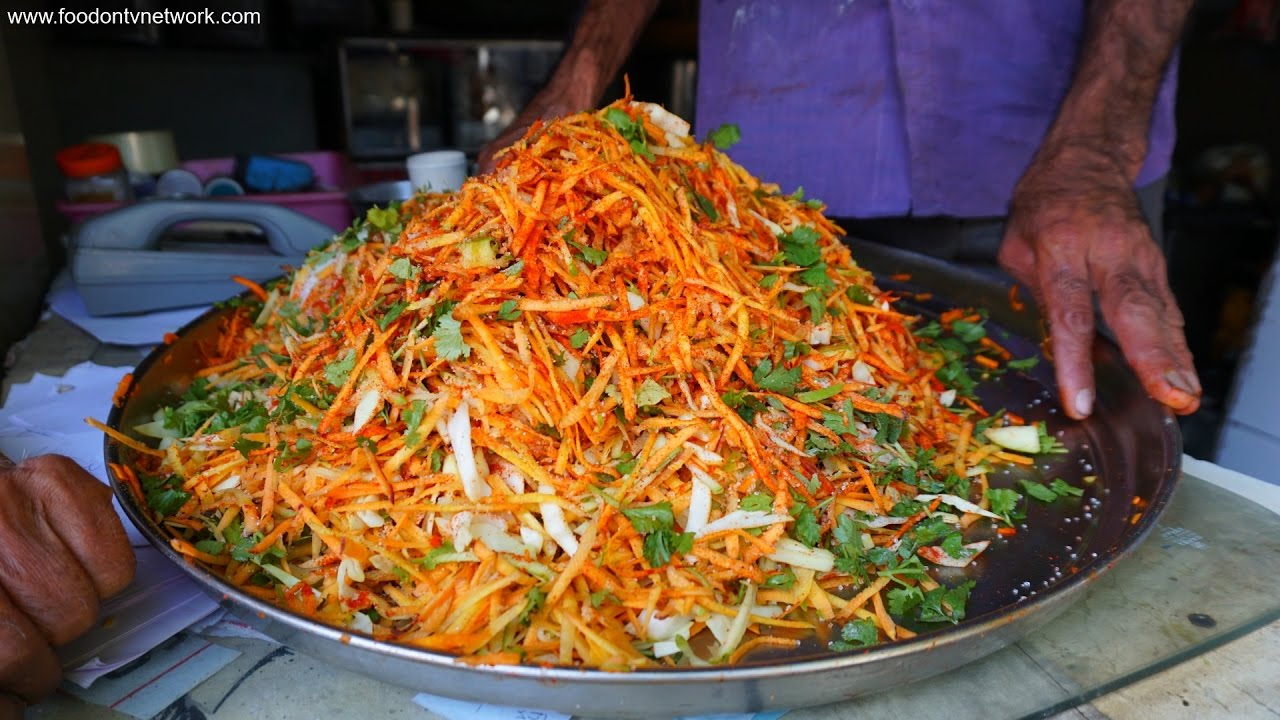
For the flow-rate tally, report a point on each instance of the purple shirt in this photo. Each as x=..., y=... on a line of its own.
x=897, y=107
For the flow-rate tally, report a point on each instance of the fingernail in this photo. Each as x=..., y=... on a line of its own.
x=1192, y=381
x=1180, y=381
x=1084, y=402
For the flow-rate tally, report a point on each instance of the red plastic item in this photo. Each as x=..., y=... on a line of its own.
x=88, y=159
x=327, y=203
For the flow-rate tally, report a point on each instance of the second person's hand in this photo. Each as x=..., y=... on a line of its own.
x=1075, y=229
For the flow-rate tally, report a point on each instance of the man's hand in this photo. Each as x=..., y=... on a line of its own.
x=1075, y=229
x=62, y=550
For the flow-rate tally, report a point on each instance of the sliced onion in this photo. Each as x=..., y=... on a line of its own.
x=960, y=504
x=532, y=539
x=792, y=552
x=862, y=373
x=938, y=556
x=553, y=520
x=493, y=532
x=820, y=334
x=231, y=482
x=634, y=301
x=349, y=571
x=460, y=438
x=666, y=120
x=719, y=626
x=946, y=397
x=883, y=521
x=699, y=505
x=741, y=520
x=774, y=227
x=369, y=517
x=660, y=628
x=706, y=456
x=740, y=622
x=368, y=404
x=460, y=530
x=361, y=623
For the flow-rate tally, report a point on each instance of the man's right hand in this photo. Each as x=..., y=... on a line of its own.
x=62, y=550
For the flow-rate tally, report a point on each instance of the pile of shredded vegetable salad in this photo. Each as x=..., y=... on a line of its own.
x=617, y=404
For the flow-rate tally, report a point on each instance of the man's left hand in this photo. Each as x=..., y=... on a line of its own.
x=1075, y=230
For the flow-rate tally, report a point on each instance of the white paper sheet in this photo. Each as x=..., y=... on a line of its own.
x=144, y=329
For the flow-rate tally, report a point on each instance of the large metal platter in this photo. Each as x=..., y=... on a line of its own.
x=1130, y=443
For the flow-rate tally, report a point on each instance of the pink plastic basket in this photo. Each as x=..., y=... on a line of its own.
x=327, y=203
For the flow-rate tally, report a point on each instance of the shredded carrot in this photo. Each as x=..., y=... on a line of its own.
x=595, y=389
x=252, y=286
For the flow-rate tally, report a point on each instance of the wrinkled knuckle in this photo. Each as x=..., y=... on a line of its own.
x=78, y=615
x=1076, y=321
x=1135, y=299
x=115, y=571
x=1068, y=283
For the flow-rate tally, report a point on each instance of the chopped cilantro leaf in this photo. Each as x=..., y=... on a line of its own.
x=816, y=277
x=806, y=528
x=1038, y=491
x=779, y=380
x=245, y=446
x=768, y=281
x=725, y=136
x=817, y=304
x=508, y=311
x=164, y=494
x=888, y=428
x=746, y=405
x=337, y=371
x=800, y=246
x=903, y=599
x=213, y=547
x=708, y=208
x=533, y=601
x=579, y=338
x=756, y=502
x=384, y=219
x=391, y=314
x=661, y=545
x=784, y=579
x=650, y=393
x=1062, y=489
x=650, y=518
x=1023, y=364
x=859, y=294
x=589, y=254
x=1003, y=502
x=403, y=269
x=449, y=342
x=412, y=420
x=626, y=463
x=820, y=394
x=953, y=545
x=856, y=634
x=969, y=332
x=620, y=120
x=945, y=605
